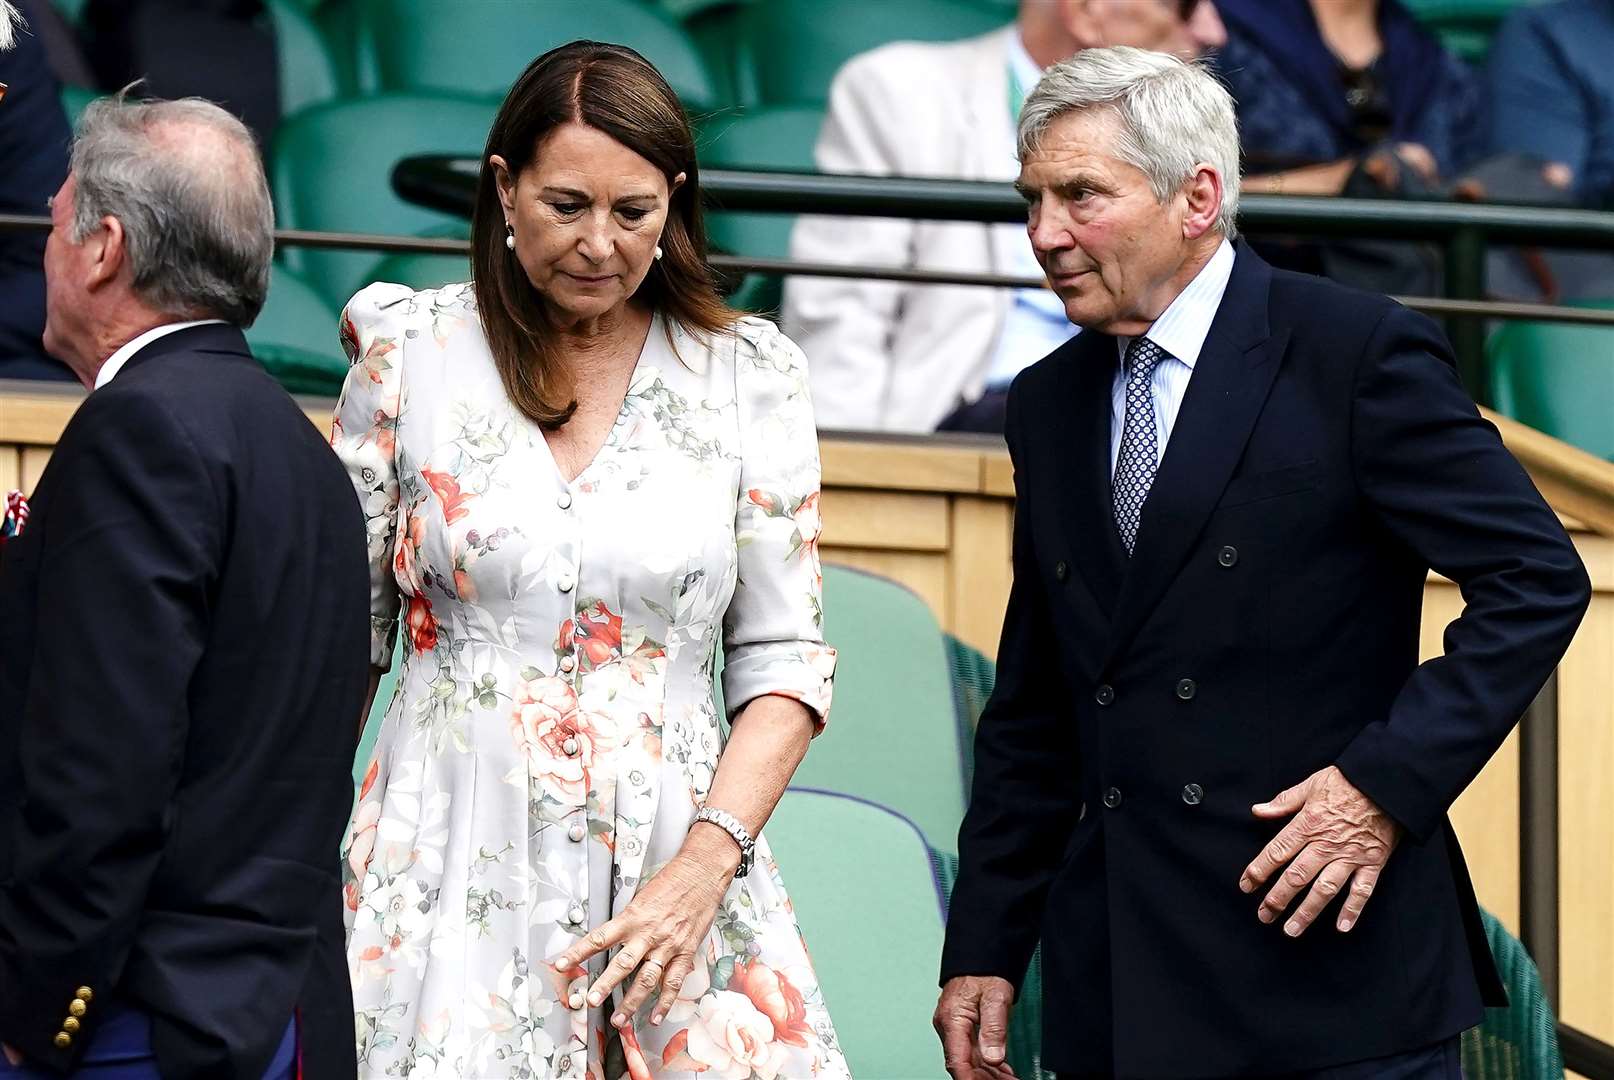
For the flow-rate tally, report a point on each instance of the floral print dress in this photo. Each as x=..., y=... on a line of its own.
x=553, y=731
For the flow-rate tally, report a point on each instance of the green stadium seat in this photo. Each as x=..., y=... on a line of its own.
x=74, y=99
x=423, y=270
x=378, y=709
x=295, y=337
x=776, y=137
x=1557, y=378
x=1519, y=1042
x=401, y=44
x=788, y=51
x=892, y=736
x=870, y=910
x=331, y=169
x=1465, y=27
x=306, y=71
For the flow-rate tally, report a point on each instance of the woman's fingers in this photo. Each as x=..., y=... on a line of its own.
x=673, y=981
x=593, y=943
x=645, y=984
x=624, y=963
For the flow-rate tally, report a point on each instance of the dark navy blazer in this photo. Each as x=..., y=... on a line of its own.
x=1325, y=458
x=183, y=658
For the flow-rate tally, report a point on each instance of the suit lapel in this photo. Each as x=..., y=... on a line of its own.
x=1225, y=396
x=1088, y=371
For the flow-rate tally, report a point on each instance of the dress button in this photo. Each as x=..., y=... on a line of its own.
x=1186, y=689
x=575, y=915
x=1228, y=557
x=565, y=583
x=1112, y=797
x=576, y=1000
x=1061, y=571
x=1105, y=694
x=576, y=834
x=567, y=663
x=565, y=500
x=570, y=746
x=1192, y=794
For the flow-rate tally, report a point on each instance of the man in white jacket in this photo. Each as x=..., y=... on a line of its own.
x=888, y=356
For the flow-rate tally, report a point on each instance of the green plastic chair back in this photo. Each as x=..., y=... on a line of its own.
x=1557, y=378
x=331, y=169
x=766, y=137
x=306, y=71
x=892, y=736
x=423, y=270
x=1519, y=1042
x=482, y=46
x=790, y=50
x=870, y=911
x=1465, y=27
x=295, y=337
x=74, y=99
x=378, y=709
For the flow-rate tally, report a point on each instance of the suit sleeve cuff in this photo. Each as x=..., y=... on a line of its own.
x=1381, y=765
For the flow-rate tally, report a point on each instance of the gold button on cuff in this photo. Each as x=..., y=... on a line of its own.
x=70, y=1025
x=76, y=1007
x=63, y=1040
x=85, y=994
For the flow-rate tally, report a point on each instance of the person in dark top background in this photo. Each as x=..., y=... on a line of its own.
x=34, y=137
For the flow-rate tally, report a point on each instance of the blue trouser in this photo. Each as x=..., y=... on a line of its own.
x=121, y=1050
x=1441, y=1061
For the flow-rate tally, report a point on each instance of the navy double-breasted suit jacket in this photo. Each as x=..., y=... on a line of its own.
x=1324, y=460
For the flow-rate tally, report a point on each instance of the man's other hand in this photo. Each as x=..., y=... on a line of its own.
x=972, y=1019
x=13, y=1056
x=1338, y=838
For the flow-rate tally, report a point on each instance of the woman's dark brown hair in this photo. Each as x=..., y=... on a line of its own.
x=615, y=90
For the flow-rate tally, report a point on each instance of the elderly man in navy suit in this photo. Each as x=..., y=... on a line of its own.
x=183, y=646
x=1213, y=777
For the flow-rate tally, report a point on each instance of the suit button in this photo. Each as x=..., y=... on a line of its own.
x=1192, y=794
x=1186, y=689
x=63, y=1040
x=1228, y=557
x=85, y=994
x=71, y=1025
x=1112, y=797
x=1061, y=571
x=1104, y=695
x=76, y=1007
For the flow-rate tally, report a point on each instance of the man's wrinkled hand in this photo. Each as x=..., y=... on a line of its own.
x=12, y=1056
x=972, y=1019
x=1338, y=841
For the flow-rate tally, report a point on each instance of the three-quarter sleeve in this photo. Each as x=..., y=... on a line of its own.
x=773, y=631
x=363, y=434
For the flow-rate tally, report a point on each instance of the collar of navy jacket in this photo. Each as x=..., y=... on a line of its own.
x=218, y=338
x=1229, y=386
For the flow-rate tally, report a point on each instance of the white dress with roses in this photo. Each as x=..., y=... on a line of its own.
x=553, y=731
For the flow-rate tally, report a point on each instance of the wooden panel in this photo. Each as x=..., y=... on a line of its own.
x=10, y=469
x=38, y=414
x=885, y=519
x=1586, y=824
x=33, y=464
x=1486, y=817
x=925, y=574
x=900, y=465
x=997, y=475
x=980, y=570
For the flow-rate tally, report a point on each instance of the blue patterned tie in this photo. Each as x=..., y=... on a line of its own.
x=1135, y=465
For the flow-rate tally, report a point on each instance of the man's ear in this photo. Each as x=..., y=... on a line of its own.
x=1203, y=193
x=107, y=253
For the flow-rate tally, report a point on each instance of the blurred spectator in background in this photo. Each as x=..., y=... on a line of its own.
x=1349, y=97
x=1552, y=92
x=899, y=357
x=33, y=163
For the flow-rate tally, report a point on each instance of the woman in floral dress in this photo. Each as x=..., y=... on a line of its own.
x=576, y=474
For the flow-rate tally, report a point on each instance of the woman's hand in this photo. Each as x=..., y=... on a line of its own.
x=663, y=927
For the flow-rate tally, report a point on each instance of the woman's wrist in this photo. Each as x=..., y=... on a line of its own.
x=712, y=847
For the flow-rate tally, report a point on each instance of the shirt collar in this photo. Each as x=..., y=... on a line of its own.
x=125, y=353
x=1182, y=328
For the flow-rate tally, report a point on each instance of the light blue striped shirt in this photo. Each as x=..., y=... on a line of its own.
x=1181, y=331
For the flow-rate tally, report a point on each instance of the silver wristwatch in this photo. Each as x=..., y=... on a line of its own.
x=731, y=825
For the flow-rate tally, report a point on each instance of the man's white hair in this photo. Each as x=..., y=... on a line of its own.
x=1173, y=116
x=10, y=23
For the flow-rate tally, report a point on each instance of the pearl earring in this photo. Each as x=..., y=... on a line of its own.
x=658, y=251
x=510, y=237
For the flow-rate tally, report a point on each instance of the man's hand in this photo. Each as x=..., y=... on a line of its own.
x=1338, y=836
x=13, y=1056
x=972, y=1019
